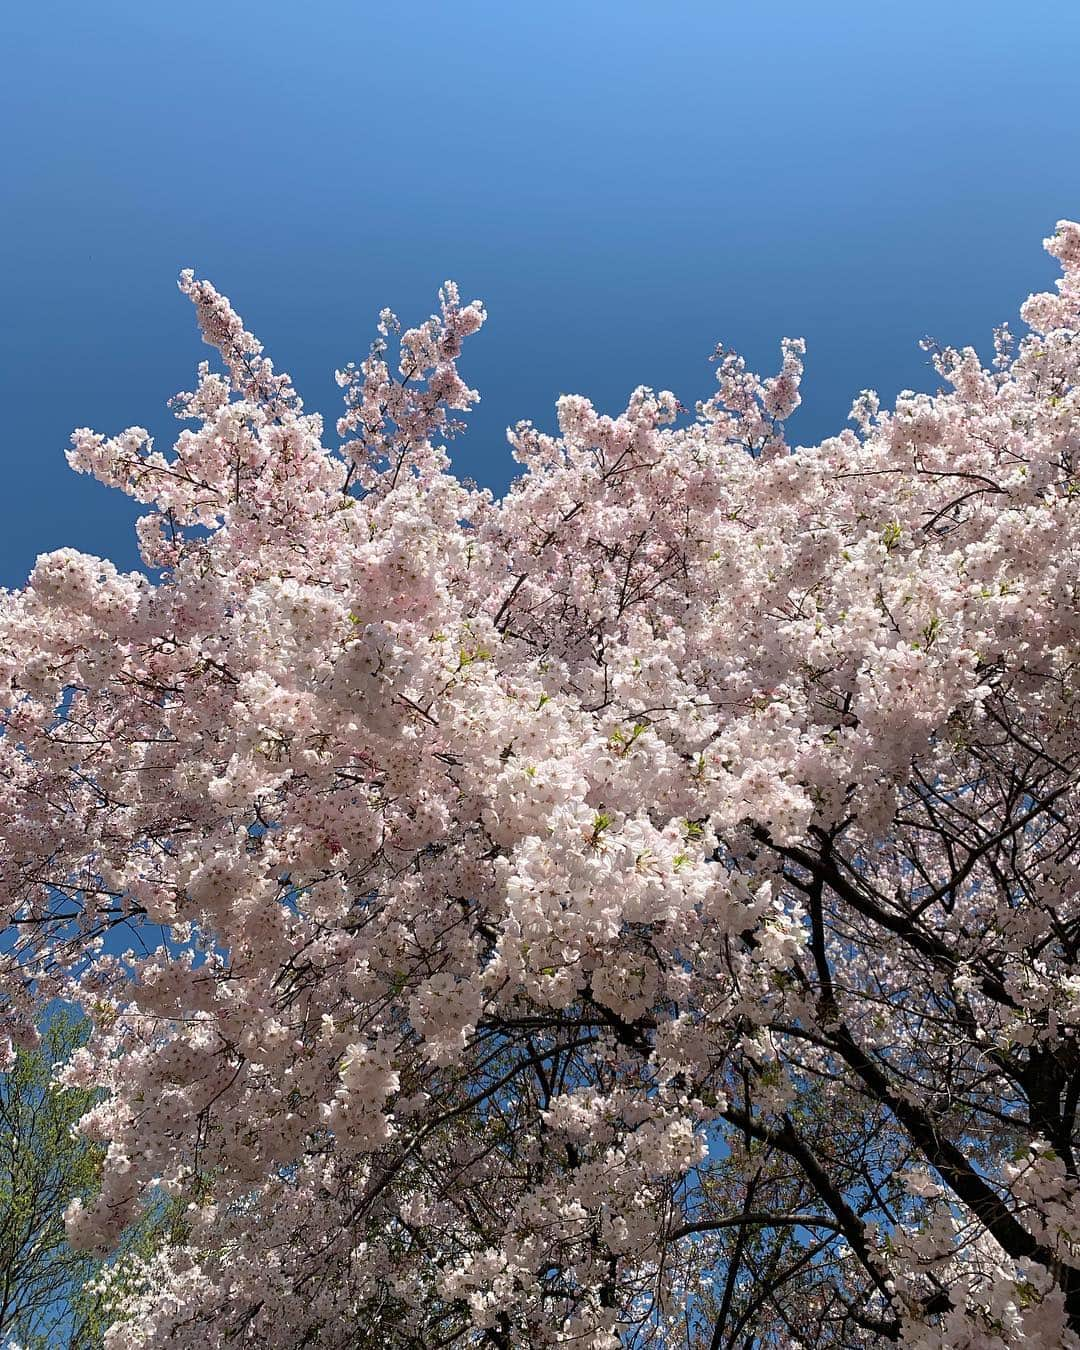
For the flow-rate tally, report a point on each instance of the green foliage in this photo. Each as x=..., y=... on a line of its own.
x=42, y=1167
x=47, y=1296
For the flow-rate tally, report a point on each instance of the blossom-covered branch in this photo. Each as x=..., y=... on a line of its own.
x=640, y=911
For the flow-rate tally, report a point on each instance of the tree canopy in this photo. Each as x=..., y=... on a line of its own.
x=639, y=911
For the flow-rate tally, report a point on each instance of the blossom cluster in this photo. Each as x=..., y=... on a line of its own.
x=482, y=904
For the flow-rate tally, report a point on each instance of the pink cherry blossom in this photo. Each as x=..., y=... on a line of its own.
x=642, y=910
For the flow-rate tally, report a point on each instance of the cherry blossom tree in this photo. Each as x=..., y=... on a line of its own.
x=640, y=911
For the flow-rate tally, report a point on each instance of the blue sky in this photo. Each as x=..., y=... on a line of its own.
x=624, y=183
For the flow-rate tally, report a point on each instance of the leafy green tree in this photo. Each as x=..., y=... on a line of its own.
x=43, y=1165
x=48, y=1295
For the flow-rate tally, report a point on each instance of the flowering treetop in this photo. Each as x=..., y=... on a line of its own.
x=639, y=911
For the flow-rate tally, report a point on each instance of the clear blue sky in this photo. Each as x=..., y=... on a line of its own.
x=624, y=183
